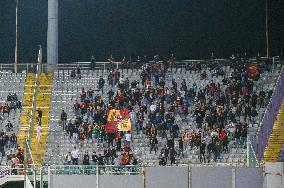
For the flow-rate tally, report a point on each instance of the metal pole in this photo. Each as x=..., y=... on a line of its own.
x=25, y=163
x=144, y=177
x=49, y=177
x=190, y=175
x=41, y=178
x=17, y=41
x=266, y=28
x=34, y=104
x=34, y=177
x=97, y=173
x=233, y=177
x=248, y=153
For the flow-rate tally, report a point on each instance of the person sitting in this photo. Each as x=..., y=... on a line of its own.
x=163, y=161
x=18, y=104
x=9, y=97
x=15, y=97
x=9, y=126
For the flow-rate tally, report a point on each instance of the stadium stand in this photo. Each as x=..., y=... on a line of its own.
x=12, y=90
x=208, y=86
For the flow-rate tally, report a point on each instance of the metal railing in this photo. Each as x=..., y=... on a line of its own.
x=32, y=67
x=95, y=169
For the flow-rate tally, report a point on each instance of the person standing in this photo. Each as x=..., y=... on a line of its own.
x=93, y=63
x=128, y=138
x=216, y=151
x=101, y=83
x=180, y=147
x=133, y=120
x=202, y=151
x=86, y=159
x=63, y=119
x=2, y=145
x=13, y=141
x=75, y=156
x=153, y=144
x=173, y=156
x=39, y=114
x=110, y=94
x=68, y=159
x=38, y=131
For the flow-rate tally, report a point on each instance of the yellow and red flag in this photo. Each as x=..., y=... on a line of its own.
x=118, y=120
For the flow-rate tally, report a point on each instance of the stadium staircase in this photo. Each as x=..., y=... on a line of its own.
x=276, y=139
x=27, y=108
x=38, y=148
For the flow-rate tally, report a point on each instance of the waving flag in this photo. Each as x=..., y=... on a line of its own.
x=252, y=70
x=118, y=120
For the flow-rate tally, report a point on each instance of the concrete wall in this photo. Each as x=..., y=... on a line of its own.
x=273, y=177
x=120, y=181
x=249, y=178
x=179, y=177
x=73, y=181
x=213, y=177
x=166, y=177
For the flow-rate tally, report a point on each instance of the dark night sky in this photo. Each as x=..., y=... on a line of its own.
x=189, y=28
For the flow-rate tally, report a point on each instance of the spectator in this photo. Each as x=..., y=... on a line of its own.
x=86, y=159
x=128, y=138
x=63, y=118
x=94, y=158
x=101, y=84
x=13, y=141
x=75, y=156
x=173, y=156
x=78, y=72
x=217, y=151
x=38, y=131
x=202, y=151
x=6, y=109
x=2, y=145
x=39, y=114
x=180, y=147
x=153, y=143
x=68, y=159
x=9, y=126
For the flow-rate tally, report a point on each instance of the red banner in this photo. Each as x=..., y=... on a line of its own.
x=118, y=120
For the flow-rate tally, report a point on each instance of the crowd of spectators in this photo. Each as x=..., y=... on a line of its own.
x=8, y=139
x=222, y=113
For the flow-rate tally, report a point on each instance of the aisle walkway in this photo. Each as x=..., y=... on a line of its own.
x=38, y=148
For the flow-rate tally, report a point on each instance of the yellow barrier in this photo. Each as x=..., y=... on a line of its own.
x=276, y=138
